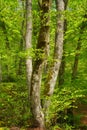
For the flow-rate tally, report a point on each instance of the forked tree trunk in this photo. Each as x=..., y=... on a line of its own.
x=28, y=41
x=43, y=42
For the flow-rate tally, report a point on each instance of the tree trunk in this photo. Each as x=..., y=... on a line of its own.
x=75, y=65
x=54, y=70
x=75, y=68
x=21, y=46
x=42, y=45
x=62, y=67
x=7, y=46
x=58, y=48
x=28, y=41
x=0, y=73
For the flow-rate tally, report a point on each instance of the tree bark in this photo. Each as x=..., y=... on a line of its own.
x=42, y=45
x=62, y=67
x=21, y=46
x=54, y=70
x=28, y=41
x=75, y=65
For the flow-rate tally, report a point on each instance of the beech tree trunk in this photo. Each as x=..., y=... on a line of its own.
x=42, y=45
x=62, y=67
x=54, y=70
x=28, y=41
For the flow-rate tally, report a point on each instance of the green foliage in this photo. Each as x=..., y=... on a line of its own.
x=14, y=104
x=63, y=99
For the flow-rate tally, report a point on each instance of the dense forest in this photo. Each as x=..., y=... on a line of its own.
x=43, y=73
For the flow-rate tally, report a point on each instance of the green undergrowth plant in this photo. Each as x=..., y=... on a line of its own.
x=14, y=105
x=63, y=99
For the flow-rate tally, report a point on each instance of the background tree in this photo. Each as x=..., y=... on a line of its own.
x=28, y=41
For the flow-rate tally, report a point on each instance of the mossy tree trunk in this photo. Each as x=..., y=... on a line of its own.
x=42, y=45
